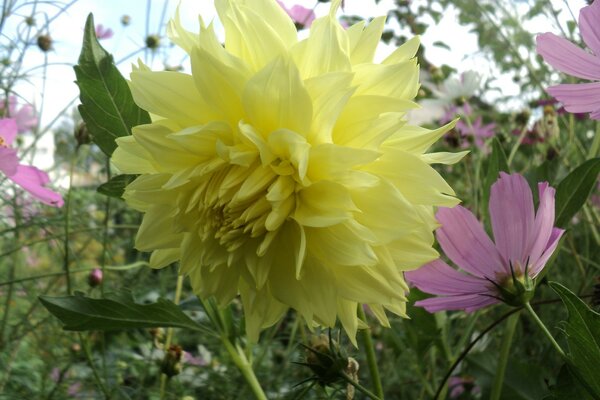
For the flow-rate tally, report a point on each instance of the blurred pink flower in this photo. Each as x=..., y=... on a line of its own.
x=188, y=358
x=303, y=17
x=572, y=60
x=459, y=384
x=103, y=33
x=503, y=271
x=23, y=116
x=28, y=177
x=477, y=130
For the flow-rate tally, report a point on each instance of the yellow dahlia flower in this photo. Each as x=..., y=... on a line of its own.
x=282, y=170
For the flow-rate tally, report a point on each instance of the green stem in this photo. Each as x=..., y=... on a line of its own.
x=513, y=151
x=371, y=359
x=239, y=358
x=164, y=378
x=359, y=387
x=509, y=332
x=545, y=330
x=88, y=357
x=66, y=263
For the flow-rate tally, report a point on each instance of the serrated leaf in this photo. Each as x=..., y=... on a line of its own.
x=573, y=191
x=115, y=312
x=582, y=330
x=116, y=185
x=567, y=387
x=107, y=106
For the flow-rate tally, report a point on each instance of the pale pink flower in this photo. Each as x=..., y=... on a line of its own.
x=491, y=272
x=103, y=33
x=28, y=177
x=24, y=116
x=303, y=17
x=572, y=60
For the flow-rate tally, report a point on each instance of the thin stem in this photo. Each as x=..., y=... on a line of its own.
x=360, y=388
x=239, y=359
x=468, y=348
x=66, y=263
x=509, y=332
x=371, y=359
x=88, y=356
x=164, y=377
x=545, y=330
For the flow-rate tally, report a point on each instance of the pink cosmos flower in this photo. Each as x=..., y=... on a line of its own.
x=303, y=17
x=103, y=33
x=23, y=116
x=572, y=60
x=490, y=273
x=458, y=385
x=477, y=130
x=28, y=177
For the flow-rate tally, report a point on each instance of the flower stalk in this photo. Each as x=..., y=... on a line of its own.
x=371, y=358
x=509, y=332
x=544, y=329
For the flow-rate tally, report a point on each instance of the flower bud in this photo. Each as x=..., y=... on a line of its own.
x=82, y=135
x=171, y=363
x=95, y=277
x=44, y=42
x=517, y=289
x=125, y=20
x=326, y=360
x=152, y=42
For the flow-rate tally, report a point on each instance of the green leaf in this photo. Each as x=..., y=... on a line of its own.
x=115, y=312
x=116, y=185
x=522, y=381
x=107, y=106
x=573, y=191
x=497, y=162
x=582, y=330
x=567, y=387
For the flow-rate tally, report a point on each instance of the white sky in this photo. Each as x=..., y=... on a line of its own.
x=67, y=32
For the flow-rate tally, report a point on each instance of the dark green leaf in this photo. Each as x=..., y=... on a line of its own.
x=582, y=330
x=116, y=185
x=116, y=311
x=522, y=381
x=573, y=191
x=567, y=387
x=441, y=44
x=107, y=106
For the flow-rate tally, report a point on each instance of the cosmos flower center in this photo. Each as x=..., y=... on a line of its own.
x=3, y=142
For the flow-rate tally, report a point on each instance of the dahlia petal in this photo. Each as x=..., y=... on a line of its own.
x=400, y=81
x=366, y=284
x=324, y=204
x=33, y=180
x=437, y=277
x=468, y=303
x=377, y=203
x=171, y=95
x=579, y=97
x=405, y=52
x=512, y=216
x=156, y=230
x=363, y=49
x=348, y=318
x=550, y=247
x=8, y=161
x=252, y=37
x=164, y=257
x=340, y=243
x=406, y=171
x=414, y=250
x=8, y=131
x=179, y=35
x=588, y=25
x=330, y=161
x=219, y=84
x=276, y=98
x=466, y=243
x=444, y=157
x=329, y=94
x=415, y=139
x=261, y=310
x=326, y=49
x=567, y=57
x=131, y=158
x=379, y=312
x=544, y=222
